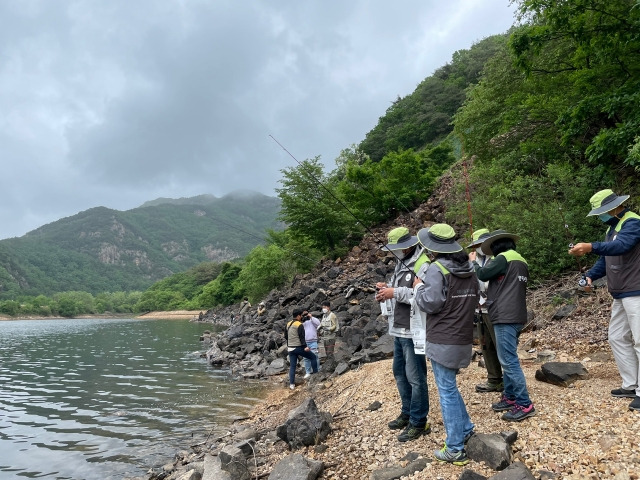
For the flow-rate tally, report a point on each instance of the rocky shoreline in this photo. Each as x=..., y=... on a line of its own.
x=580, y=430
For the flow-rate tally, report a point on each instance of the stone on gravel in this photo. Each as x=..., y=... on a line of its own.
x=562, y=374
x=305, y=425
x=232, y=460
x=397, y=471
x=471, y=475
x=515, y=471
x=296, y=467
x=491, y=449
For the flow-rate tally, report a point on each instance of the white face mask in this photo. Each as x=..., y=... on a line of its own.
x=325, y=310
x=479, y=251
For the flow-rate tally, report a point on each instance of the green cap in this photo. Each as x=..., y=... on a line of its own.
x=605, y=200
x=399, y=238
x=478, y=237
x=439, y=238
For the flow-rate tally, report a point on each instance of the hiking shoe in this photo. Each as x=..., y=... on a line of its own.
x=456, y=458
x=635, y=404
x=292, y=386
x=519, y=413
x=503, y=405
x=398, y=423
x=306, y=375
x=411, y=432
x=622, y=393
x=489, y=387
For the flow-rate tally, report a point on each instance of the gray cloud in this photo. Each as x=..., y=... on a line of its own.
x=115, y=103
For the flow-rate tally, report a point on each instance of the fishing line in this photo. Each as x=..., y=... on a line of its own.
x=342, y=204
x=465, y=173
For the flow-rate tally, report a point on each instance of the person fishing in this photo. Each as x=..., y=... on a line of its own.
x=620, y=261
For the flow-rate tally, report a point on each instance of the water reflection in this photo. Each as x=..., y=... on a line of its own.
x=85, y=399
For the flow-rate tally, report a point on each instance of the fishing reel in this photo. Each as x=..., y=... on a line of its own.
x=583, y=281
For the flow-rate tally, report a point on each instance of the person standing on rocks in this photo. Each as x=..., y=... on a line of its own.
x=294, y=335
x=311, y=325
x=620, y=262
x=328, y=328
x=244, y=307
x=448, y=295
x=507, y=274
x=409, y=368
x=486, y=333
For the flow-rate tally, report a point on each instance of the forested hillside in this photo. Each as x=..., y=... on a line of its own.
x=103, y=250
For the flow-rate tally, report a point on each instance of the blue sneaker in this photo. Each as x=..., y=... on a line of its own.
x=519, y=413
x=456, y=458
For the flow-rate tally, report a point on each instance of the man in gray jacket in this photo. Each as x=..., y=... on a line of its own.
x=409, y=368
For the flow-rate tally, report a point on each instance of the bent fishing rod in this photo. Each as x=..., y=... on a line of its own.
x=340, y=202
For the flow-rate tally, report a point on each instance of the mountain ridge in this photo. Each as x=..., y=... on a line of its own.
x=102, y=249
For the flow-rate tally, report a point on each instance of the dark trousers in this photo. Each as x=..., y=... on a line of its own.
x=329, y=346
x=487, y=337
x=293, y=362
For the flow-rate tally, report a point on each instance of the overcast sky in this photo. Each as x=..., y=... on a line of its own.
x=116, y=102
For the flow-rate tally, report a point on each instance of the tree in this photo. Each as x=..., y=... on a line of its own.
x=311, y=208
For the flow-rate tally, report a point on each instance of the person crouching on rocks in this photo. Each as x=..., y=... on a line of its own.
x=448, y=295
x=294, y=335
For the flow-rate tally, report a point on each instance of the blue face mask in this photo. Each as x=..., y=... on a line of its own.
x=605, y=217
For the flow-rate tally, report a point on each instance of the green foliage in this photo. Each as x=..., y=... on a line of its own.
x=594, y=47
x=224, y=290
x=398, y=183
x=271, y=267
x=423, y=118
x=553, y=119
x=311, y=208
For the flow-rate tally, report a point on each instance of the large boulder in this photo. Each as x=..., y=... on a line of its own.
x=234, y=462
x=562, y=374
x=296, y=467
x=305, y=425
x=491, y=449
x=515, y=471
x=276, y=367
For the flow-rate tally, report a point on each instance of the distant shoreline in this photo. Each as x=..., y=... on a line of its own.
x=170, y=315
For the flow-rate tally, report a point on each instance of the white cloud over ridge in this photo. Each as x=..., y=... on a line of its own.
x=115, y=103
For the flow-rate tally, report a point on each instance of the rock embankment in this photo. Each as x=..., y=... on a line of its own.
x=580, y=431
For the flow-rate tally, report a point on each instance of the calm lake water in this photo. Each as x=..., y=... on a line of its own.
x=104, y=399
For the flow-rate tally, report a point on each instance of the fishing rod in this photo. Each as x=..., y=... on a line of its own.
x=570, y=237
x=465, y=173
x=342, y=204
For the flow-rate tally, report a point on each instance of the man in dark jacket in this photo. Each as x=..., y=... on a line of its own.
x=507, y=274
x=294, y=335
x=620, y=262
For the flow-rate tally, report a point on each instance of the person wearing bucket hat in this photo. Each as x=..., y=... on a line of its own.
x=507, y=275
x=486, y=333
x=620, y=262
x=409, y=367
x=448, y=294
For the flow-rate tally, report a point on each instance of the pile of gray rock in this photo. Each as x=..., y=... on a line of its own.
x=253, y=345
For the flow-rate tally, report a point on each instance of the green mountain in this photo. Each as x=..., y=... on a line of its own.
x=104, y=250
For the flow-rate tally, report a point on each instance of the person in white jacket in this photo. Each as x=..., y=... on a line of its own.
x=409, y=368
